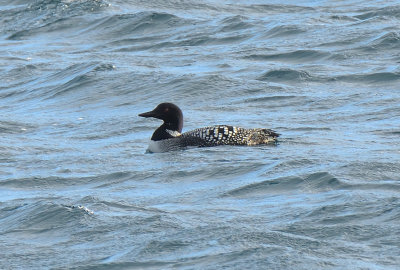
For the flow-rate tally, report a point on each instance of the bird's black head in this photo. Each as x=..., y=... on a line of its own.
x=169, y=113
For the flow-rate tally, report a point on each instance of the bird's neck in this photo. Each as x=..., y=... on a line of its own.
x=166, y=131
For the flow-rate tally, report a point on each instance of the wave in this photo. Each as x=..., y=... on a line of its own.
x=283, y=31
x=377, y=77
x=386, y=12
x=44, y=16
x=279, y=8
x=382, y=41
x=299, y=56
x=235, y=23
x=69, y=79
x=285, y=75
x=41, y=216
x=316, y=182
x=386, y=41
x=11, y=127
x=276, y=101
x=74, y=77
x=343, y=18
x=135, y=26
x=178, y=32
x=270, y=98
x=56, y=182
x=204, y=40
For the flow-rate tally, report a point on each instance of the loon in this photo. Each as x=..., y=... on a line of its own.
x=169, y=136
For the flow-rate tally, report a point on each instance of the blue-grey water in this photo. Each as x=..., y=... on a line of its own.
x=78, y=191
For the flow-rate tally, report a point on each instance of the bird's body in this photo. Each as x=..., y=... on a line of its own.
x=168, y=136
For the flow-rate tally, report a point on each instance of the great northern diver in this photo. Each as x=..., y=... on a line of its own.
x=169, y=135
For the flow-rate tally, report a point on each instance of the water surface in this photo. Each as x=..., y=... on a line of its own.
x=78, y=190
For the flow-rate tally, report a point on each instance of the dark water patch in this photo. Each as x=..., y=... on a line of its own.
x=124, y=42
x=278, y=8
x=128, y=264
x=74, y=70
x=226, y=171
x=381, y=171
x=104, y=67
x=345, y=18
x=342, y=56
x=395, y=132
x=267, y=187
x=384, y=13
x=44, y=13
x=246, y=245
x=144, y=46
x=300, y=56
x=41, y=217
x=283, y=31
x=12, y=3
x=53, y=83
x=304, y=128
x=353, y=234
x=270, y=98
x=28, y=69
x=275, y=101
x=282, y=75
x=210, y=40
x=142, y=24
x=342, y=43
x=387, y=41
x=77, y=79
x=151, y=30
x=41, y=183
x=192, y=41
x=56, y=182
x=16, y=76
x=55, y=27
x=378, y=77
x=235, y=23
x=68, y=80
x=290, y=75
x=182, y=33
x=6, y=160
x=165, y=246
x=366, y=211
x=107, y=180
x=315, y=182
x=322, y=182
x=13, y=58
x=112, y=207
x=10, y=127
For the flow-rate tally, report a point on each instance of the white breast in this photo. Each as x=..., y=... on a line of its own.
x=165, y=145
x=155, y=147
